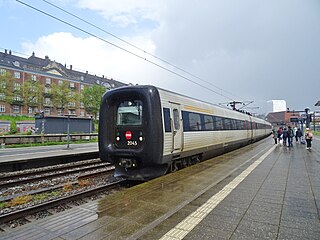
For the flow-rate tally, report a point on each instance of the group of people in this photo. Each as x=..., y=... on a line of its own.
x=287, y=135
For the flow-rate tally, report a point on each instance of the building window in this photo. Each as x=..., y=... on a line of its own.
x=2, y=96
x=46, y=90
x=15, y=109
x=82, y=78
x=71, y=104
x=30, y=110
x=71, y=84
x=81, y=86
x=82, y=113
x=33, y=77
x=16, y=86
x=17, y=75
x=2, y=72
x=47, y=101
x=59, y=111
x=72, y=112
x=81, y=104
x=48, y=81
x=2, y=108
x=59, y=82
x=17, y=98
x=47, y=111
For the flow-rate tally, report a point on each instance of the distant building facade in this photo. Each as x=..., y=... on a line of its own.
x=277, y=105
x=46, y=72
x=283, y=118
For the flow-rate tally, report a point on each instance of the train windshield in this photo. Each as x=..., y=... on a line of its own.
x=129, y=113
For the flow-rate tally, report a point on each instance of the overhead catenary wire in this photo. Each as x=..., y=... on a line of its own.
x=128, y=51
x=136, y=47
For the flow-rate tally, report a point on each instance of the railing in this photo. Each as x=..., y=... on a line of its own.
x=25, y=139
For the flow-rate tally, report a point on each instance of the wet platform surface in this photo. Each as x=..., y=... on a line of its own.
x=262, y=191
x=29, y=153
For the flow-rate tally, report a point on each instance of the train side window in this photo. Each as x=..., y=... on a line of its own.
x=227, y=124
x=233, y=124
x=176, y=119
x=166, y=117
x=219, y=123
x=194, y=121
x=186, y=124
x=208, y=122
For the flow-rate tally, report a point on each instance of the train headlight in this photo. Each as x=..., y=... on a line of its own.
x=140, y=139
x=118, y=138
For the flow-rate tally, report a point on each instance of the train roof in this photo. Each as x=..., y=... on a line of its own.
x=195, y=99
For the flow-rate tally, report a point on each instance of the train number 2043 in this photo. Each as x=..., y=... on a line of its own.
x=132, y=143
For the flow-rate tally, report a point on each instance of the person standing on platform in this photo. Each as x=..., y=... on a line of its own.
x=274, y=135
x=308, y=137
x=279, y=134
x=290, y=136
x=285, y=136
x=299, y=135
x=295, y=129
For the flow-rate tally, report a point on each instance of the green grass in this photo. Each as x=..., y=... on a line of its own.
x=50, y=143
x=316, y=133
x=2, y=205
x=16, y=118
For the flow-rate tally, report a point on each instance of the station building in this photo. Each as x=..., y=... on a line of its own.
x=46, y=72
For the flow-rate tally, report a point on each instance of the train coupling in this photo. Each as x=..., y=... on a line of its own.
x=127, y=163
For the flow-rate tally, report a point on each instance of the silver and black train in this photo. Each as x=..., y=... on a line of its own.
x=146, y=131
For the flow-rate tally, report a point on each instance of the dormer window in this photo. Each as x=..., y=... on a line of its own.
x=16, y=63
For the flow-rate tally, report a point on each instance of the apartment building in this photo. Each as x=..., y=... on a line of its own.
x=46, y=72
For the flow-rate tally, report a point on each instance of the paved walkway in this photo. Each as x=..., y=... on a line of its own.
x=261, y=191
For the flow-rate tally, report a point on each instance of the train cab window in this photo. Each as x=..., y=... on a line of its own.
x=129, y=113
x=176, y=119
x=166, y=118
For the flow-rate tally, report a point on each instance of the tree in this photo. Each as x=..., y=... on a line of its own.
x=91, y=98
x=33, y=93
x=6, y=88
x=63, y=96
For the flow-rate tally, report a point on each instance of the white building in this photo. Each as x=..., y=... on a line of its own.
x=277, y=105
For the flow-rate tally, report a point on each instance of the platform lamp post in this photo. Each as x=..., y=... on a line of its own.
x=314, y=116
x=90, y=128
x=68, y=129
x=42, y=126
x=307, y=117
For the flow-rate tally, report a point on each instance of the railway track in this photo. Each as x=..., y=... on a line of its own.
x=22, y=177
x=20, y=191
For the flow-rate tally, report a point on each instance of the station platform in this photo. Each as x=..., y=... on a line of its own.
x=15, y=159
x=261, y=191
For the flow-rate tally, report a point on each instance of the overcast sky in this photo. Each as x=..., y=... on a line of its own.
x=243, y=50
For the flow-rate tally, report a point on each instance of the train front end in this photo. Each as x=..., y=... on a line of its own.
x=131, y=133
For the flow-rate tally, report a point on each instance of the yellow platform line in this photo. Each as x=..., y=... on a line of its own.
x=190, y=222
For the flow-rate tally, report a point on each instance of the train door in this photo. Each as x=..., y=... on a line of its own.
x=250, y=129
x=177, y=128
